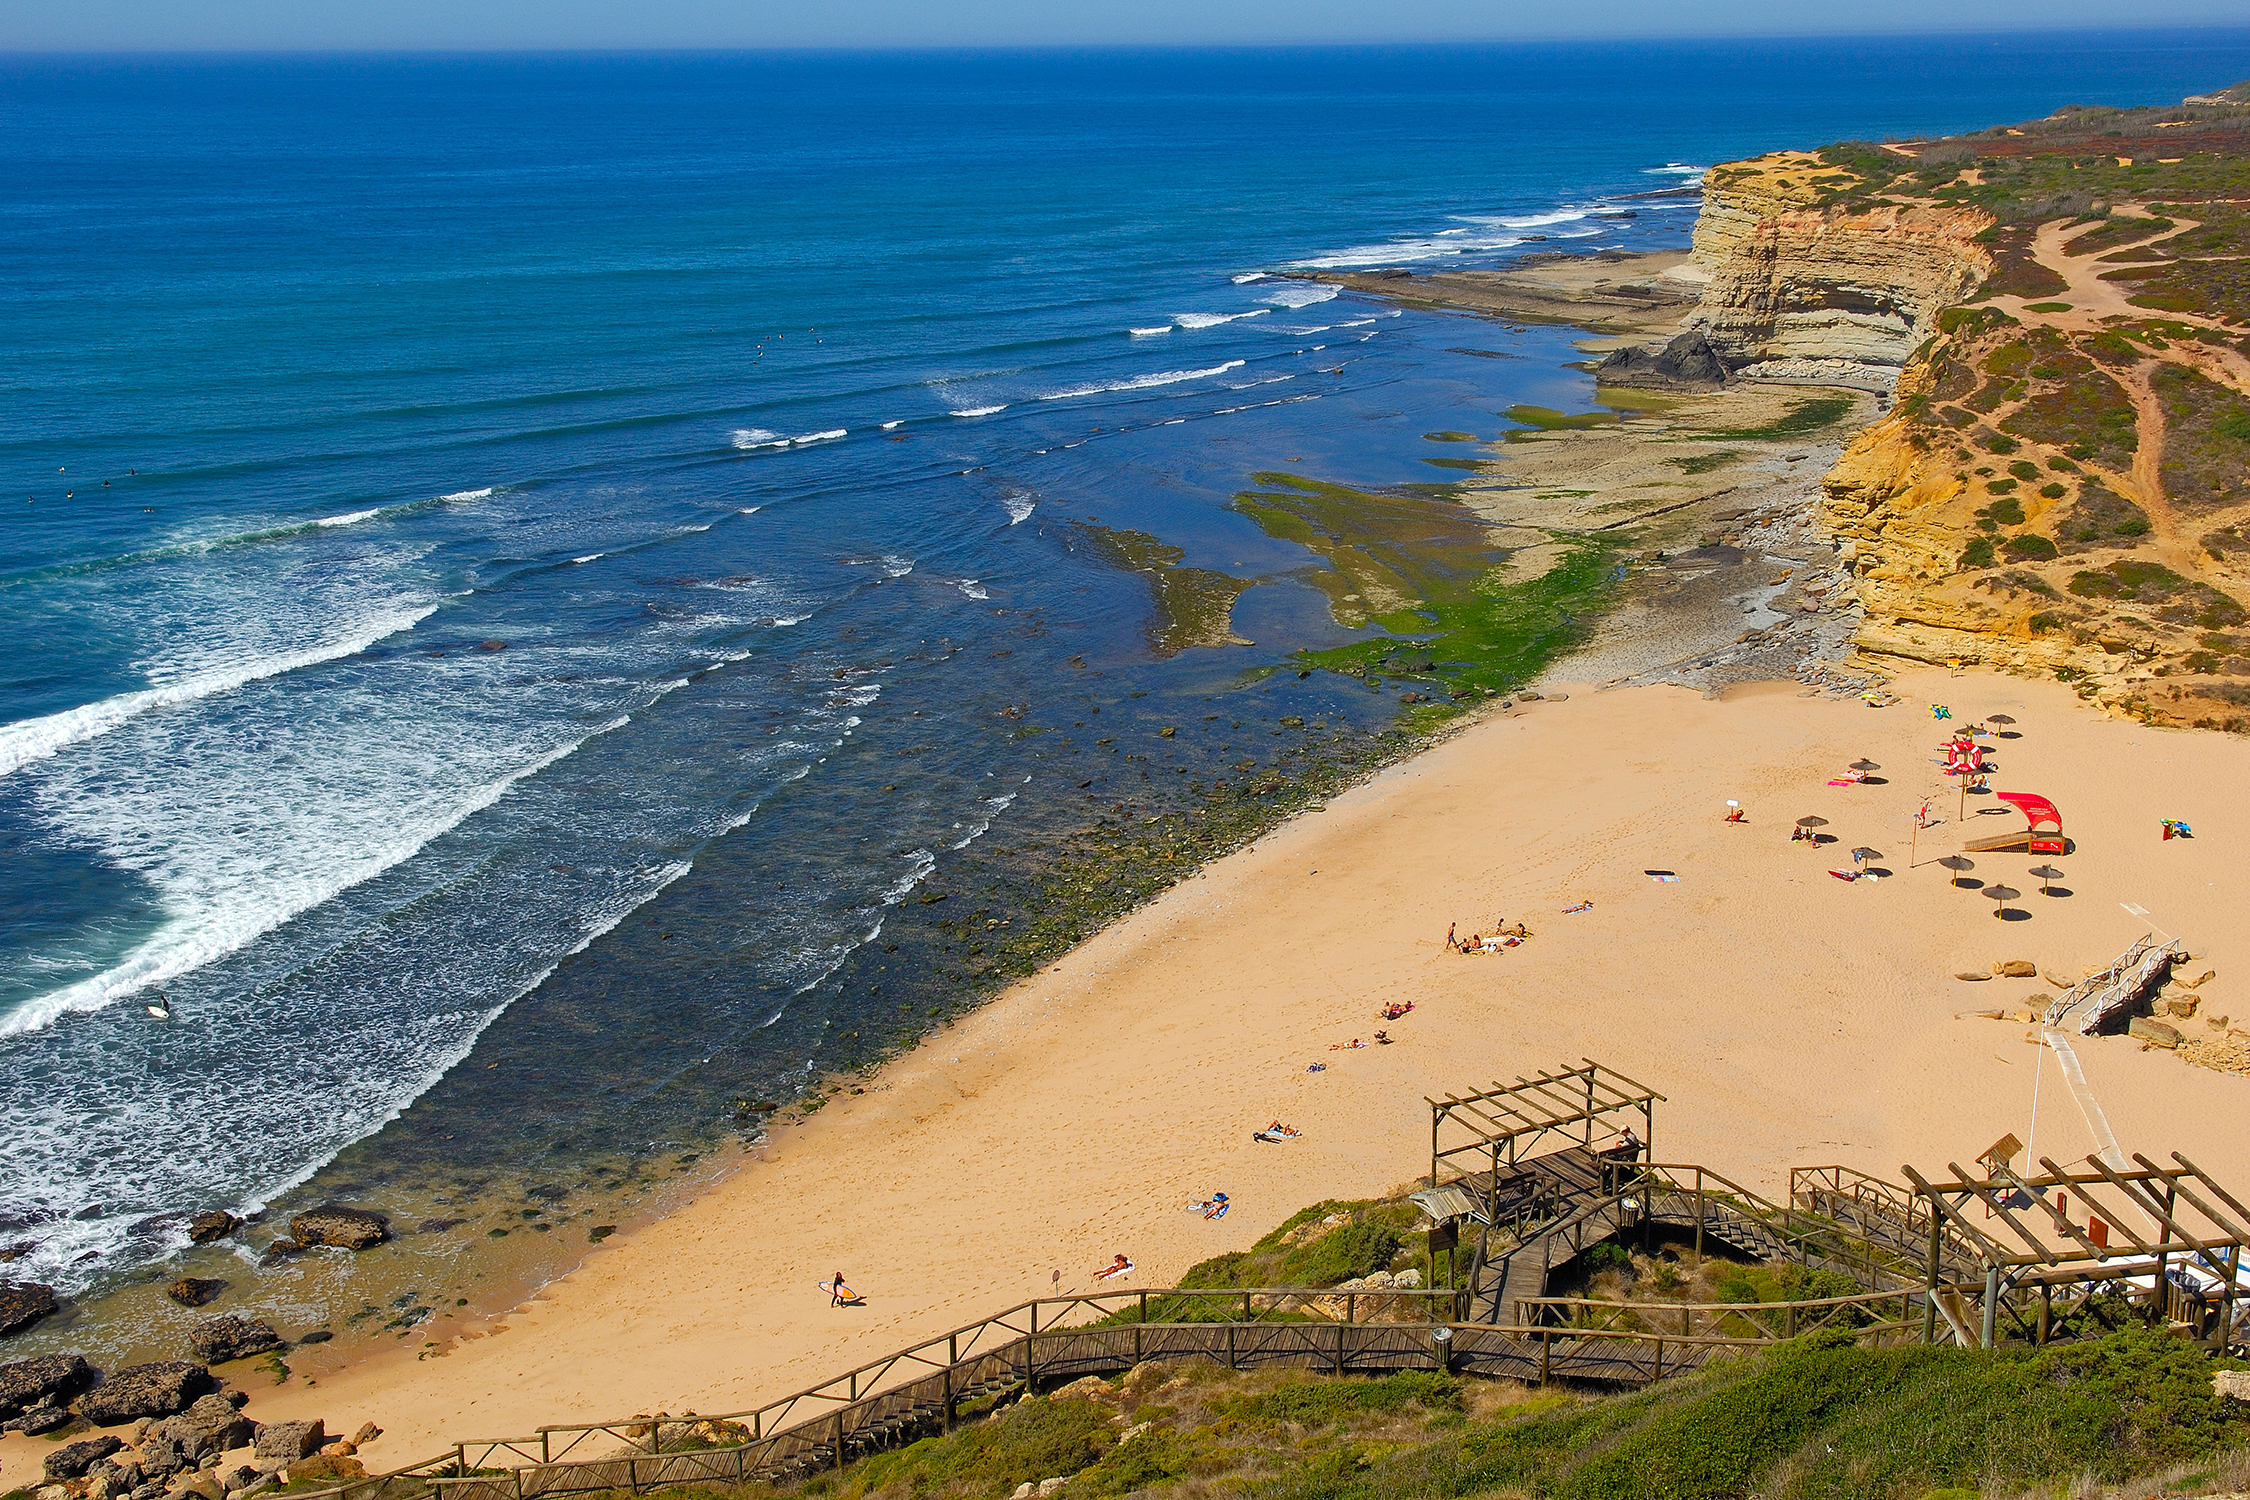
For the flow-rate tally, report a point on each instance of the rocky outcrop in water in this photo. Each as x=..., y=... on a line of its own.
x=345, y=1228
x=195, y=1291
x=1688, y=361
x=231, y=1336
x=23, y=1303
x=214, y=1225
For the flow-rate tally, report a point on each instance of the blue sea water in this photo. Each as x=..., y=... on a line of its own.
x=516, y=567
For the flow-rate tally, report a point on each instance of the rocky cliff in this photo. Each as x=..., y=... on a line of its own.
x=2063, y=484
x=1791, y=276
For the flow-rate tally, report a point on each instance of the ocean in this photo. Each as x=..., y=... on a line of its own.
x=561, y=600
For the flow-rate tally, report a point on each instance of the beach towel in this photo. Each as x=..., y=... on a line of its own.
x=1217, y=1211
x=1845, y=874
x=1106, y=1272
x=1664, y=877
x=1274, y=1136
x=1317, y=1068
x=1581, y=906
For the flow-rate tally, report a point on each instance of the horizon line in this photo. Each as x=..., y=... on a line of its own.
x=839, y=49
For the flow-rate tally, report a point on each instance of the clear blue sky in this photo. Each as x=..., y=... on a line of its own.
x=134, y=25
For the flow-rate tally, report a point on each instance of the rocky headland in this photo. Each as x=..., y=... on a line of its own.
x=2062, y=486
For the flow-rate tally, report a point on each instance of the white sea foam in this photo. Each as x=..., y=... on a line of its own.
x=706, y=526
x=1249, y=276
x=590, y=557
x=483, y=494
x=972, y=588
x=998, y=805
x=751, y=438
x=1301, y=294
x=1356, y=323
x=1141, y=382
x=228, y=912
x=979, y=411
x=1213, y=320
x=887, y=426
x=1019, y=505
x=1149, y=333
x=1675, y=169
x=919, y=863
x=353, y=519
x=749, y=510
x=1478, y=234
x=28, y=740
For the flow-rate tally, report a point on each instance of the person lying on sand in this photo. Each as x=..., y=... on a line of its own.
x=1382, y=1039
x=1217, y=1208
x=1351, y=1046
x=1118, y=1267
x=1275, y=1133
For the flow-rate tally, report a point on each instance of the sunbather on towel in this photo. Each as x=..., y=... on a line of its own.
x=1217, y=1209
x=1118, y=1267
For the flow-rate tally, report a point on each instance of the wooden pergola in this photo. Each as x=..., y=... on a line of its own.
x=1494, y=1128
x=2052, y=1229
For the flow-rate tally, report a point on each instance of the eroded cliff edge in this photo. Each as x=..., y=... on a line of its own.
x=2062, y=484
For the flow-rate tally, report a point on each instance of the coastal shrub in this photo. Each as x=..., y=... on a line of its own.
x=2053, y=491
x=1353, y=1250
x=1978, y=554
x=2180, y=600
x=2008, y=512
x=1311, y=1403
x=2029, y=546
x=1032, y=1440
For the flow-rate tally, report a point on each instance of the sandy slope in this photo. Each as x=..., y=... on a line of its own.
x=1791, y=1018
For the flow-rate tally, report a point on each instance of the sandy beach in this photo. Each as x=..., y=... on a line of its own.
x=1791, y=1018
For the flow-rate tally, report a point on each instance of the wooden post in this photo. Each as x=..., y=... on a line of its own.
x=1991, y=1303
x=1436, y=1113
x=1659, y=1375
x=952, y=1363
x=1929, y=1301
x=1546, y=1356
x=1699, y=1213
x=1230, y=1346
x=2046, y=1311
x=2226, y=1306
x=1340, y=1329
x=839, y=1440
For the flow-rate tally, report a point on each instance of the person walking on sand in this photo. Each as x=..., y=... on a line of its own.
x=1450, y=929
x=836, y=1291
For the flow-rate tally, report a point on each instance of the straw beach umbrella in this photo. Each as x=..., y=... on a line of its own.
x=2002, y=895
x=1811, y=823
x=1960, y=865
x=1864, y=764
x=1863, y=854
x=2045, y=873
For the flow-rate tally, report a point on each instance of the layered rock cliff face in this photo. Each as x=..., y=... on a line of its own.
x=1787, y=279
x=2063, y=484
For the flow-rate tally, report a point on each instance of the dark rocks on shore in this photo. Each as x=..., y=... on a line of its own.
x=157, y=1389
x=195, y=1291
x=317, y=1336
x=291, y=1440
x=212, y=1424
x=23, y=1303
x=279, y=1251
x=17, y=1251
x=50, y=1380
x=41, y=1419
x=232, y=1336
x=72, y=1460
x=1688, y=360
x=215, y=1225
x=346, y=1228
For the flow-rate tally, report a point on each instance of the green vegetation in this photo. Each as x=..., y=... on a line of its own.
x=1194, y=606
x=1546, y=419
x=2206, y=439
x=1809, y=415
x=1818, y=1417
x=2046, y=307
x=1421, y=567
x=1704, y=463
x=2180, y=601
x=1978, y=554
x=2030, y=546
